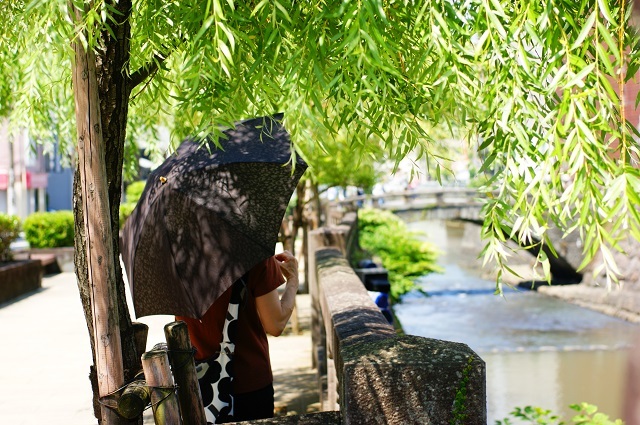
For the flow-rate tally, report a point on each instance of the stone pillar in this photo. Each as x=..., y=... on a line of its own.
x=342, y=238
x=412, y=380
x=386, y=378
x=318, y=238
x=314, y=243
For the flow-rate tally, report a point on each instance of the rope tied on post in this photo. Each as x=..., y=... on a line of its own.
x=133, y=398
x=166, y=392
x=168, y=383
x=164, y=399
x=179, y=360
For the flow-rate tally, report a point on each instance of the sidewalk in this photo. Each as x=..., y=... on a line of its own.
x=45, y=358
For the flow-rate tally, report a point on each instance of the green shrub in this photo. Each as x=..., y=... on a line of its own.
x=587, y=414
x=49, y=229
x=400, y=250
x=9, y=232
x=125, y=211
x=133, y=193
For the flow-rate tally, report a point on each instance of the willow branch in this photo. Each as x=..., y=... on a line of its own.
x=145, y=71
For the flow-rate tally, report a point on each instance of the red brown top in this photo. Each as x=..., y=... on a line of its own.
x=251, y=363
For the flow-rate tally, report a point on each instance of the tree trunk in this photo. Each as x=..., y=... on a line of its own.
x=113, y=91
x=97, y=228
x=312, y=217
x=289, y=228
x=112, y=62
x=316, y=221
x=298, y=211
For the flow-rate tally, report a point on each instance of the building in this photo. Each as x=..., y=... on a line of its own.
x=31, y=181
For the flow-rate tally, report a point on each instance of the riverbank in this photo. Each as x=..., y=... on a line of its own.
x=616, y=302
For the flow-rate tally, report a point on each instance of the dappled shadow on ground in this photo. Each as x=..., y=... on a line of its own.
x=297, y=390
x=304, y=323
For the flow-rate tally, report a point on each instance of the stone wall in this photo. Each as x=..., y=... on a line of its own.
x=615, y=299
x=382, y=377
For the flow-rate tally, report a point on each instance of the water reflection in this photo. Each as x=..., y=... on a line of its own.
x=539, y=350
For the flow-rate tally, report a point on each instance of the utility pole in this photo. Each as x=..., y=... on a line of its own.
x=11, y=201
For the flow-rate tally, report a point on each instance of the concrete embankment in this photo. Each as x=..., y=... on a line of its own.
x=615, y=301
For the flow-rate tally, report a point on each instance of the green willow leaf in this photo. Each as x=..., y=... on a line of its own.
x=609, y=39
x=532, y=84
x=578, y=79
x=603, y=6
x=587, y=29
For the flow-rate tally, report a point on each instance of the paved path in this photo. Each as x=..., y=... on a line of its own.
x=45, y=358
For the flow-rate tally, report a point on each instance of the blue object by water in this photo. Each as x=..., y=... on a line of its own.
x=382, y=301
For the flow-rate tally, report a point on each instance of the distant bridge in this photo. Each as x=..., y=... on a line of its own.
x=441, y=203
x=445, y=203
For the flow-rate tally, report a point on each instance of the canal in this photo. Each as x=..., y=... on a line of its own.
x=539, y=351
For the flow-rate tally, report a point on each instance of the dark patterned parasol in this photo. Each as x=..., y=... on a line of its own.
x=207, y=216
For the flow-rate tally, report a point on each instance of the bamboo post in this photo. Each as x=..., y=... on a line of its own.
x=157, y=372
x=135, y=398
x=184, y=373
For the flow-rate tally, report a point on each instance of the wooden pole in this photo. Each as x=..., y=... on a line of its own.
x=305, y=254
x=184, y=373
x=164, y=400
x=140, y=333
x=97, y=223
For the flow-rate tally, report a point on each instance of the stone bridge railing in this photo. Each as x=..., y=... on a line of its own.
x=368, y=371
x=430, y=203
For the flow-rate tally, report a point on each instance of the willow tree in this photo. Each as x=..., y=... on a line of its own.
x=537, y=84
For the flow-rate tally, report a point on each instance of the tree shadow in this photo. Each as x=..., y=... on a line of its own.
x=297, y=390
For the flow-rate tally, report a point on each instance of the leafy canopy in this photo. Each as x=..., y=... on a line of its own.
x=338, y=161
x=537, y=85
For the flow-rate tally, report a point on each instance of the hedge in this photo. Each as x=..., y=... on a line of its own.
x=9, y=232
x=49, y=229
x=134, y=191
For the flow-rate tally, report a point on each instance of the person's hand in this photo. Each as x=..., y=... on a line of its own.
x=288, y=265
x=275, y=311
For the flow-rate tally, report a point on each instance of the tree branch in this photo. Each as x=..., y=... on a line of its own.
x=145, y=71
